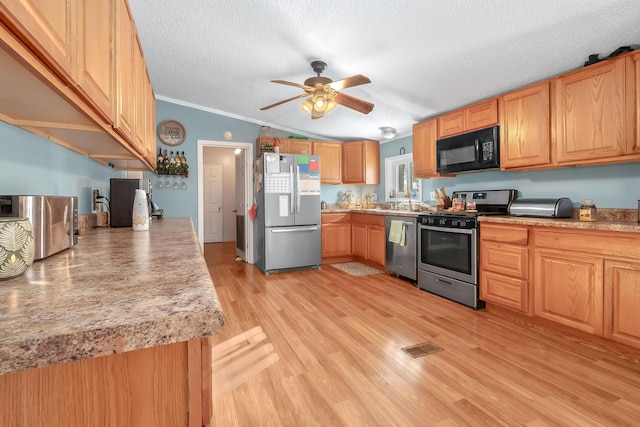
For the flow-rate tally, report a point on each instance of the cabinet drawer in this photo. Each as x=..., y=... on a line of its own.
x=368, y=219
x=503, y=290
x=505, y=259
x=516, y=235
x=331, y=218
x=608, y=244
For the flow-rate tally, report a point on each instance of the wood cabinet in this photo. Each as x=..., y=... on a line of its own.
x=157, y=386
x=504, y=265
x=368, y=237
x=622, y=302
x=594, y=121
x=336, y=234
x=636, y=87
x=361, y=162
x=525, y=132
x=50, y=27
x=126, y=55
x=477, y=116
x=424, y=149
x=330, y=161
x=296, y=146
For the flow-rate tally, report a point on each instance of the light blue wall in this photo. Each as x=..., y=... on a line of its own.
x=34, y=165
x=610, y=186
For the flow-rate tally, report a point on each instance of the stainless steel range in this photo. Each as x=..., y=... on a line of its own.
x=448, y=245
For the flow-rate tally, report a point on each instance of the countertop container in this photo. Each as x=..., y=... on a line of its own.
x=16, y=246
x=543, y=208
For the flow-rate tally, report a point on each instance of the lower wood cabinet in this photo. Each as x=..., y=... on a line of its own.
x=585, y=279
x=368, y=237
x=336, y=234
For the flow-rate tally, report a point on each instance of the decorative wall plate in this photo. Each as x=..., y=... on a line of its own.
x=171, y=132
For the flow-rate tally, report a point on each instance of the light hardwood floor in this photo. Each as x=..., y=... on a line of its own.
x=331, y=356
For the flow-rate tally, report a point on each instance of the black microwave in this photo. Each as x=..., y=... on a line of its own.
x=469, y=152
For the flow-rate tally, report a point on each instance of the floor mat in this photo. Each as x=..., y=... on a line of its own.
x=356, y=269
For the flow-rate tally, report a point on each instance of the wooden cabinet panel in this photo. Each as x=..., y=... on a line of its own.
x=330, y=161
x=591, y=113
x=361, y=162
x=505, y=259
x=140, y=92
x=49, y=26
x=481, y=115
x=477, y=116
x=359, y=240
x=514, y=234
x=504, y=290
x=150, y=120
x=336, y=240
x=451, y=123
x=296, y=146
x=95, y=68
x=125, y=71
x=376, y=244
x=568, y=289
x=424, y=149
x=636, y=101
x=622, y=302
x=525, y=128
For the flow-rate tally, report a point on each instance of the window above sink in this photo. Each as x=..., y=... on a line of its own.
x=399, y=184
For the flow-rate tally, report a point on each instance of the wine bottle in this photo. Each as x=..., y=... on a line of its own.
x=160, y=164
x=165, y=160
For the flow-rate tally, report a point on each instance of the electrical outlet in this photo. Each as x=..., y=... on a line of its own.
x=374, y=197
x=432, y=195
x=96, y=193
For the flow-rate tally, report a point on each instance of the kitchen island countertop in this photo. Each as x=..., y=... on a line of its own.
x=116, y=291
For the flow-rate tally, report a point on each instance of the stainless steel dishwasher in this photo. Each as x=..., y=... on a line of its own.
x=402, y=259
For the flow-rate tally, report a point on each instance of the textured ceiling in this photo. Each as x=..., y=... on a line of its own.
x=423, y=57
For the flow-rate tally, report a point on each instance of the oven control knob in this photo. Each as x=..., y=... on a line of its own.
x=454, y=222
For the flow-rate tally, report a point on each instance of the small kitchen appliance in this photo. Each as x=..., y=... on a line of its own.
x=287, y=222
x=54, y=220
x=544, y=208
x=122, y=193
x=469, y=152
x=448, y=245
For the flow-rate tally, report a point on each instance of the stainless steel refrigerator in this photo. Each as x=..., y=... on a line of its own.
x=287, y=222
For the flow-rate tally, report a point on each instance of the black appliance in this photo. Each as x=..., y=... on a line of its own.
x=448, y=246
x=469, y=152
x=122, y=193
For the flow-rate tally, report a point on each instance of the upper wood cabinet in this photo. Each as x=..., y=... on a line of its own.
x=593, y=120
x=330, y=161
x=49, y=26
x=296, y=146
x=361, y=162
x=126, y=55
x=636, y=107
x=477, y=116
x=525, y=132
x=424, y=148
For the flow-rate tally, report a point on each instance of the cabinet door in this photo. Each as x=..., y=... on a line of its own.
x=330, y=161
x=504, y=290
x=150, y=121
x=376, y=244
x=353, y=163
x=590, y=113
x=569, y=289
x=336, y=240
x=621, y=302
x=50, y=26
x=140, y=92
x=481, y=115
x=525, y=127
x=451, y=123
x=359, y=240
x=297, y=146
x=636, y=62
x=424, y=149
x=94, y=54
x=504, y=259
x=125, y=71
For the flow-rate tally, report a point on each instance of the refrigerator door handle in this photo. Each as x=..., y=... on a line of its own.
x=297, y=189
x=295, y=230
x=292, y=188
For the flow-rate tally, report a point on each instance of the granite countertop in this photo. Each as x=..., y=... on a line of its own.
x=384, y=212
x=116, y=291
x=621, y=224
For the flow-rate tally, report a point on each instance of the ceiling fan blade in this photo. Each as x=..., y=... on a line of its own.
x=348, y=101
x=352, y=81
x=302, y=95
x=284, y=82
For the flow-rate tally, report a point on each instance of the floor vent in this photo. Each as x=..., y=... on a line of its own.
x=423, y=349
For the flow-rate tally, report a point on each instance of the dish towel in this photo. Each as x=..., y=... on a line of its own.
x=397, y=234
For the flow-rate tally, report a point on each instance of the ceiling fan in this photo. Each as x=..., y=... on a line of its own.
x=323, y=95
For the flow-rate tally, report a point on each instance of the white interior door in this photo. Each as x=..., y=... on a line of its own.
x=241, y=206
x=213, y=203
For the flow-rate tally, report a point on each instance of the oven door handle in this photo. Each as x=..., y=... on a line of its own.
x=449, y=230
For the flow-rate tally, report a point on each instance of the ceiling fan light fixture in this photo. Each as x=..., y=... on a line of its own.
x=331, y=105
x=388, y=132
x=319, y=103
x=307, y=106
